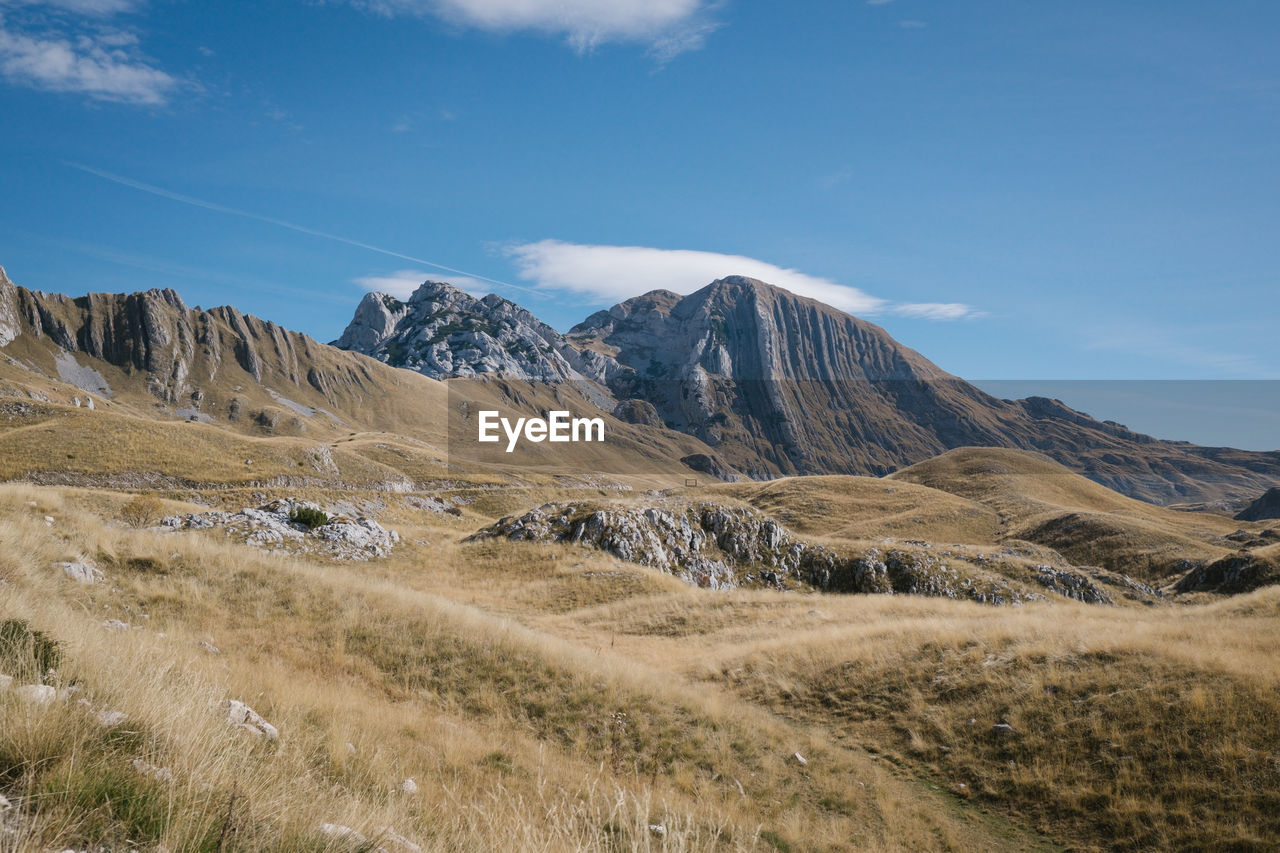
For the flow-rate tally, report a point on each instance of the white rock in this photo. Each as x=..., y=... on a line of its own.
x=208, y=646
x=81, y=572
x=36, y=694
x=351, y=749
x=657, y=829
x=240, y=714
x=111, y=718
x=800, y=760
x=115, y=625
x=5, y=805
x=408, y=786
x=6, y=681
x=48, y=519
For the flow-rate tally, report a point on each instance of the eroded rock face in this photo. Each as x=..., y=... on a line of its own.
x=444, y=332
x=722, y=547
x=270, y=528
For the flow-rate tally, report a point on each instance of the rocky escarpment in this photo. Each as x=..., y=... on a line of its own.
x=208, y=365
x=722, y=547
x=443, y=332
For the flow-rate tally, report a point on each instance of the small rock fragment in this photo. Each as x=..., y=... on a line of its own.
x=81, y=572
x=111, y=718
x=408, y=786
x=160, y=774
x=241, y=715
x=338, y=832
x=800, y=759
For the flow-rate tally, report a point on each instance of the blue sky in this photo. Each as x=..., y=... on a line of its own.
x=1019, y=190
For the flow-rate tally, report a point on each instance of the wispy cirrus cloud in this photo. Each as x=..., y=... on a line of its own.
x=669, y=27
x=614, y=273
x=68, y=46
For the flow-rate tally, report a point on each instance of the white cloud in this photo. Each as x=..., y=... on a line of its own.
x=98, y=67
x=402, y=283
x=670, y=26
x=615, y=273
x=937, y=311
x=101, y=62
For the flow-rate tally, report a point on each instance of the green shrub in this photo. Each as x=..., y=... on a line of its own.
x=26, y=654
x=310, y=516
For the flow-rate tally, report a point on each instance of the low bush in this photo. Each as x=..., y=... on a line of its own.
x=310, y=516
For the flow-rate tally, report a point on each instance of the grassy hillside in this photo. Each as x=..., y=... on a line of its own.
x=546, y=696
x=1038, y=500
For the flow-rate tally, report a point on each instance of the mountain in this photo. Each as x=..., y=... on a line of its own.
x=139, y=387
x=445, y=332
x=779, y=384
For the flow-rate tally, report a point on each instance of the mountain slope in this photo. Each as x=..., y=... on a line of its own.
x=780, y=384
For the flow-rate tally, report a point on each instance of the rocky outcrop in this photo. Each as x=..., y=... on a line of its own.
x=1070, y=584
x=1230, y=575
x=1264, y=508
x=723, y=547
x=272, y=528
x=444, y=332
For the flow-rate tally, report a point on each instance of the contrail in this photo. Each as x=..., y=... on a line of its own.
x=292, y=226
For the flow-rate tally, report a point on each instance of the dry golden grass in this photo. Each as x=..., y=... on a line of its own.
x=547, y=697
x=518, y=738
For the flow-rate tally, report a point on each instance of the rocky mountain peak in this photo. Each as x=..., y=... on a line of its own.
x=443, y=332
